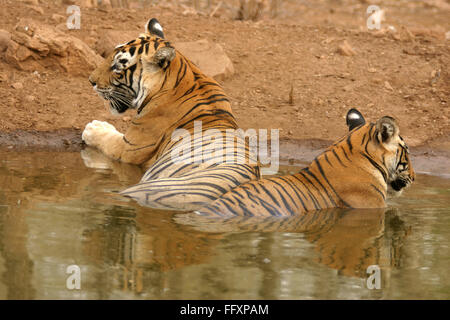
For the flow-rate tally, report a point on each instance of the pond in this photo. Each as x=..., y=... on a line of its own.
x=56, y=212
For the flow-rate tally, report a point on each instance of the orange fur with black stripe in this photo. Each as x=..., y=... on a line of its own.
x=355, y=172
x=170, y=94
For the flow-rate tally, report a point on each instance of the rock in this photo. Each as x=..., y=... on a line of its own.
x=111, y=39
x=435, y=75
x=437, y=33
x=91, y=41
x=61, y=27
x=209, y=57
x=345, y=49
x=57, y=18
x=17, y=85
x=440, y=4
x=22, y=53
x=388, y=86
x=35, y=46
x=29, y=98
x=105, y=5
x=189, y=11
x=5, y=38
x=372, y=70
x=37, y=9
x=392, y=31
x=3, y=77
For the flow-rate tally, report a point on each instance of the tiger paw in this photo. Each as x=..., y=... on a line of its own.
x=97, y=131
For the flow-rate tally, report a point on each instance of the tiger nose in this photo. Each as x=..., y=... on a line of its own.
x=93, y=83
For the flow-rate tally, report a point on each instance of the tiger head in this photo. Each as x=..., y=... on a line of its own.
x=134, y=71
x=383, y=146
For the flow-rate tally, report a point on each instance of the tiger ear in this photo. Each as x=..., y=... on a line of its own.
x=386, y=129
x=154, y=28
x=354, y=119
x=163, y=56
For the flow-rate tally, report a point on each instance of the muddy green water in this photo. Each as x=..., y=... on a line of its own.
x=56, y=212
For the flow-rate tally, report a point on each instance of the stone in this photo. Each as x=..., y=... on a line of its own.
x=17, y=85
x=345, y=49
x=388, y=86
x=37, y=9
x=5, y=38
x=111, y=39
x=58, y=18
x=209, y=57
x=29, y=98
x=35, y=46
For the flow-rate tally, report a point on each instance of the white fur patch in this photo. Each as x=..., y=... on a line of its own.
x=157, y=26
x=122, y=55
x=354, y=116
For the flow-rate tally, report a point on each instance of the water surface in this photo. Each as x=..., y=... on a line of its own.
x=56, y=212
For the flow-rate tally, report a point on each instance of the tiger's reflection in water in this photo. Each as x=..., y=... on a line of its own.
x=160, y=252
x=348, y=240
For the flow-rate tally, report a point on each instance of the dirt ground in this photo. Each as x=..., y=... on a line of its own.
x=289, y=71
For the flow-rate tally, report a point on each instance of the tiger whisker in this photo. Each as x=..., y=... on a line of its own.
x=123, y=100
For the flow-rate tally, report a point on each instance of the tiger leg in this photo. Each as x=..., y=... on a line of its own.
x=105, y=137
x=135, y=146
x=365, y=199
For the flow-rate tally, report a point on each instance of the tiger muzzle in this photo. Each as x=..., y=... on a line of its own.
x=400, y=183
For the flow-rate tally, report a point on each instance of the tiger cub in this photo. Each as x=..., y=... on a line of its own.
x=355, y=172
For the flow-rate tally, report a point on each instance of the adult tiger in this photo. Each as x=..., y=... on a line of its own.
x=355, y=172
x=183, y=131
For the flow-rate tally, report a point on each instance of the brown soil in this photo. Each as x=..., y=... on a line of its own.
x=289, y=71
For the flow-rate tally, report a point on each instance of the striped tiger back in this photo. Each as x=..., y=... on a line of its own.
x=355, y=172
